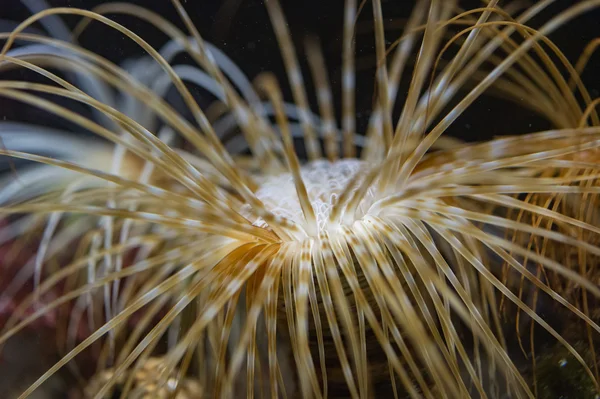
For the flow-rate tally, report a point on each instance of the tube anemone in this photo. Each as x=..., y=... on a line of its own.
x=375, y=265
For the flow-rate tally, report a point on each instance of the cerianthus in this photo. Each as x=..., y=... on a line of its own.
x=301, y=257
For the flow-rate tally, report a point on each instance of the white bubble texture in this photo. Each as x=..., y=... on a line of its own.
x=324, y=181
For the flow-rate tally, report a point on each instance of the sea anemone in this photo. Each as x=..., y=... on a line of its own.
x=298, y=258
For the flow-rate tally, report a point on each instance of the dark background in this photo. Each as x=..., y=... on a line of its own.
x=242, y=29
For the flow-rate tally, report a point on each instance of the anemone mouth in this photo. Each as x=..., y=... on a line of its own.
x=325, y=181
